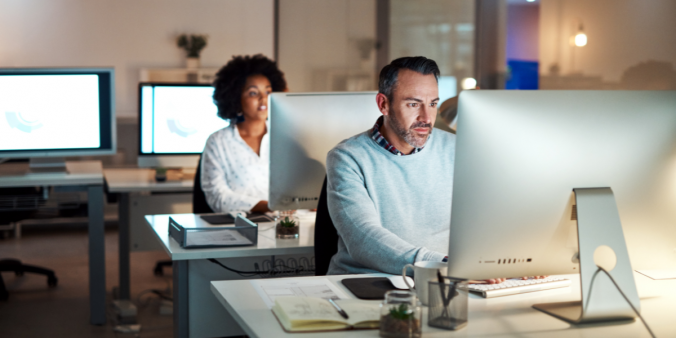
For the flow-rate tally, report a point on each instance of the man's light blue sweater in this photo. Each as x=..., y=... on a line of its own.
x=389, y=210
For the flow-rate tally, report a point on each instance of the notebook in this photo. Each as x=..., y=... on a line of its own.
x=305, y=314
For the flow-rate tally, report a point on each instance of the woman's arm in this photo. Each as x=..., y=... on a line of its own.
x=218, y=194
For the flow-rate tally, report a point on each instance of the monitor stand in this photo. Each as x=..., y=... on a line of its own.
x=601, y=242
x=47, y=165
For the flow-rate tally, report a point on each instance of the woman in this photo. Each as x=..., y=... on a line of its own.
x=235, y=162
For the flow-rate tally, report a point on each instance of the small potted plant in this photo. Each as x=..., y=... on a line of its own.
x=400, y=319
x=193, y=45
x=160, y=174
x=287, y=225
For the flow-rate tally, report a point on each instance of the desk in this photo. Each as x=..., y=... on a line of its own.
x=88, y=176
x=196, y=312
x=510, y=316
x=129, y=183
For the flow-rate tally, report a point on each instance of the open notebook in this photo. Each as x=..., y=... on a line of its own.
x=302, y=314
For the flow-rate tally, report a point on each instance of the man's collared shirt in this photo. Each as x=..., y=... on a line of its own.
x=381, y=141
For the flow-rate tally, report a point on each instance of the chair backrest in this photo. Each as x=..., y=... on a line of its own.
x=199, y=200
x=326, y=236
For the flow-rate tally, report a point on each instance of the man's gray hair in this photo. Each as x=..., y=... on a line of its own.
x=389, y=73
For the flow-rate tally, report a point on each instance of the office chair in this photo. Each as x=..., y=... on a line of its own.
x=199, y=206
x=19, y=268
x=199, y=199
x=16, y=200
x=326, y=236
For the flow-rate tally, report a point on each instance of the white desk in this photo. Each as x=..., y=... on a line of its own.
x=196, y=312
x=129, y=183
x=82, y=175
x=510, y=316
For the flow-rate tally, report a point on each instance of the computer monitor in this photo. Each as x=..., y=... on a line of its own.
x=520, y=155
x=304, y=127
x=175, y=121
x=49, y=113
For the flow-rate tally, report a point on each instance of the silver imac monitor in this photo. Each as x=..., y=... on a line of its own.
x=175, y=121
x=546, y=182
x=303, y=128
x=49, y=113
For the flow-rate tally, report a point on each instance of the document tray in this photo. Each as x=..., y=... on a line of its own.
x=190, y=231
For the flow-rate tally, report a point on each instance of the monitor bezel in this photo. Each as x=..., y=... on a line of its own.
x=107, y=122
x=140, y=116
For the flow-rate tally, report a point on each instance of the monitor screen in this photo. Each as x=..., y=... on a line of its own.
x=520, y=154
x=56, y=112
x=176, y=119
x=304, y=127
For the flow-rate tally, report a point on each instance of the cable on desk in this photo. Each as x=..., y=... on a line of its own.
x=627, y=299
x=271, y=271
x=241, y=273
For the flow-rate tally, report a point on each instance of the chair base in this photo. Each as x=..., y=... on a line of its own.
x=19, y=269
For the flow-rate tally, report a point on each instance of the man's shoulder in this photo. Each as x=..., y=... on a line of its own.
x=443, y=139
x=352, y=145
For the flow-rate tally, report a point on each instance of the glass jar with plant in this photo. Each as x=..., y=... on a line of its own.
x=287, y=225
x=400, y=315
x=160, y=174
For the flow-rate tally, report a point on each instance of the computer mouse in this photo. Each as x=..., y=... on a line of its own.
x=398, y=281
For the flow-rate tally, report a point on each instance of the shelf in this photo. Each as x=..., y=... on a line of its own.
x=179, y=75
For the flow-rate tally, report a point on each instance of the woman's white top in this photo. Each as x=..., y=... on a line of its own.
x=234, y=177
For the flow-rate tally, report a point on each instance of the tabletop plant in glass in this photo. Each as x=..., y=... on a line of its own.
x=400, y=315
x=287, y=225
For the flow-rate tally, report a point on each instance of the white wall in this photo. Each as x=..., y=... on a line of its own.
x=316, y=37
x=129, y=35
x=621, y=33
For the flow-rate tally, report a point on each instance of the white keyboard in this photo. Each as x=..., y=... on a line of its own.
x=518, y=286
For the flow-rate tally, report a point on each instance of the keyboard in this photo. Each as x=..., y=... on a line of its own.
x=518, y=286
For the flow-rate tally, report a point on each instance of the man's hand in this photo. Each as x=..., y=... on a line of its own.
x=534, y=277
x=500, y=280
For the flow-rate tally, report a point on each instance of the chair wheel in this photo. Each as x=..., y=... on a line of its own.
x=52, y=282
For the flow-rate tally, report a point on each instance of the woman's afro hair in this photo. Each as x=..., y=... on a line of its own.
x=231, y=78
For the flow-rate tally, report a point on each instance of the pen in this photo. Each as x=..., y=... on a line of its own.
x=341, y=311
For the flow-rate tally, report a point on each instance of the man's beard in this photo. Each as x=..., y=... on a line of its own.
x=409, y=135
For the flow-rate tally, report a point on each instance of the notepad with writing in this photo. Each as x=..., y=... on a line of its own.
x=303, y=314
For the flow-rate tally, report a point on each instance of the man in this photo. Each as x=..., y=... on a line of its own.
x=390, y=188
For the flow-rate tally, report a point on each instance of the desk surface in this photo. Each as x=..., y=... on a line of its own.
x=267, y=243
x=79, y=173
x=142, y=179
x=510, y=316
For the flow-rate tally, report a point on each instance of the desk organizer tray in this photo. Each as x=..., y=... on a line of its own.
x=190, y=231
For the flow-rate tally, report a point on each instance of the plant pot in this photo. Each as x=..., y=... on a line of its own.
x=400, y=315
x=160, y=174
x=287, y=226
x=192, y=63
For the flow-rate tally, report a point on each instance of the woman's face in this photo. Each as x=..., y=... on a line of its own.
x=255, y=97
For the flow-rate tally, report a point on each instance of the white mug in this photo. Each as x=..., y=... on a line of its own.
x=424, y=272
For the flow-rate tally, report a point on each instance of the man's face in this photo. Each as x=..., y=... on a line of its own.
x=413, y=109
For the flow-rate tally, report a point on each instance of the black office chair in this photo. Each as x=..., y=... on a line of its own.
x=19, y=268
x=199, y=206
x=326, y=236
x=199, y=199
x=20, y=199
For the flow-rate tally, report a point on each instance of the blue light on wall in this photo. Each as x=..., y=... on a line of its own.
x=522, y=75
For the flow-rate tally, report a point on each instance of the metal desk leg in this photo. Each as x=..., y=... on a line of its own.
x=124, y=246
x=97, y=256
x=180, y=272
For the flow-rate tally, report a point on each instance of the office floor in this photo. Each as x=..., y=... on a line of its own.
x=34, y=310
